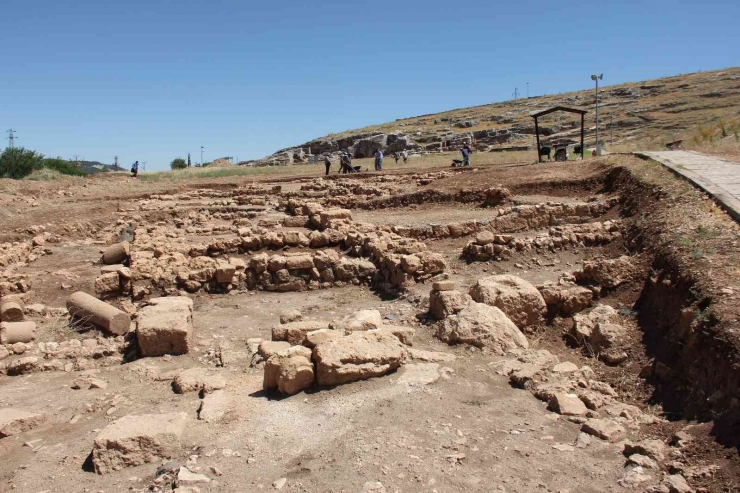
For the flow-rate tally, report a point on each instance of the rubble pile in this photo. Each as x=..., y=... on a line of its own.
x=70, y=355
x=359, y=347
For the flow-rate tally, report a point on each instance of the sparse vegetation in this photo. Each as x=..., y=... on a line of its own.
x=705, y=233
x=723, y=128
x=44, y=174
x=706, y=134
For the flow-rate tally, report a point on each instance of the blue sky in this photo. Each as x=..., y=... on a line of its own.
x=153, y=80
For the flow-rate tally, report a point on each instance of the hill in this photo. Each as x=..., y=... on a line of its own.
x=92, y=167
x=658, y=109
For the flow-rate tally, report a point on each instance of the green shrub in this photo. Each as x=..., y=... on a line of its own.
x=17, y=162
x=63, y=166
x=178, y=163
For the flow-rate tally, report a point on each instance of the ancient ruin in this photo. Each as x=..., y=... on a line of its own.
x=564, y=327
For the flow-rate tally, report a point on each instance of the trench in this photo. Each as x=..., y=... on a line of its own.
x=293, y=241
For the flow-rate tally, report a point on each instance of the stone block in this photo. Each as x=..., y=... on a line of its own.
x=295, y=332
x=165, y=326
x=15, y=421
x=289, y=371
x=136, y=440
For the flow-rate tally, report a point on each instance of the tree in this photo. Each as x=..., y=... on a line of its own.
x=17, y=162
x=63, y=166
x=178, y=163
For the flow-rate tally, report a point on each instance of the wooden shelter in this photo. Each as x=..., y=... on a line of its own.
x=553, y=110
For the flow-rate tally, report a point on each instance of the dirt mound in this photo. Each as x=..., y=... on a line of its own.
x=221, y=163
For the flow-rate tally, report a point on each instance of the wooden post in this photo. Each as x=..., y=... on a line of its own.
x=537, y=132
x=582, y=149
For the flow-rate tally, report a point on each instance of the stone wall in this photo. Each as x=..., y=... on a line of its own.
x=488, y=246
x=300, y=271
x=512, y=220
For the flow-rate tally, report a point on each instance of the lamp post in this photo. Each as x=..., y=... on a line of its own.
x=596, y=79
x=201, y=156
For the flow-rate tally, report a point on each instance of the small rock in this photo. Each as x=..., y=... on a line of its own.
x=681, y=439
x=605, y=429
x=563, y=447
x=677, y=484
x=197, y=379
x=290, y=316
x=278, y=485
x=212, y=406
x=373, y=487
x=642, y=461
x=583, y=441
x=613, y=356
x=567, y=404
x=633, y=476
x=186, y=477
x=169, y=467
x=565, y=367
x=655, y=449
x=443, y=285
x=85, y=383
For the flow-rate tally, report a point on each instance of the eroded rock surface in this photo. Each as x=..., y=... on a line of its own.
x=517, y=298
x=483, y=326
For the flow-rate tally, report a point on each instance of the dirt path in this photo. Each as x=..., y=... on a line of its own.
x=720, y=178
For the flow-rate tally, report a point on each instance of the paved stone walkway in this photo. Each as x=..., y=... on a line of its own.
x=718, y=177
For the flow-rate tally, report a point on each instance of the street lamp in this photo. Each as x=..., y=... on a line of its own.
x=596, y=79
x=201, y=155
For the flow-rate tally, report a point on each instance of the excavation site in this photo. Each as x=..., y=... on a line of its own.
x=555, y=327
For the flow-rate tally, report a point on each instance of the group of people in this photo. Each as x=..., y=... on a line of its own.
x=345, y=161
x=399, y=155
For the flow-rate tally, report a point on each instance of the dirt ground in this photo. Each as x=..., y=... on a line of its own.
x=469, y=429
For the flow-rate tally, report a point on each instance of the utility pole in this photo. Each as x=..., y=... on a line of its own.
x=527, y=90
x=201, y=156
x=516, y=92
x=11, y=138
x=597, y=78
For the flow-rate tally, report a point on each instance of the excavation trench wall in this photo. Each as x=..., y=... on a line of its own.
x=696, y=366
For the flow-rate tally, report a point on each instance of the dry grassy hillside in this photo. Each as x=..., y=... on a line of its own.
x=647, y=111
